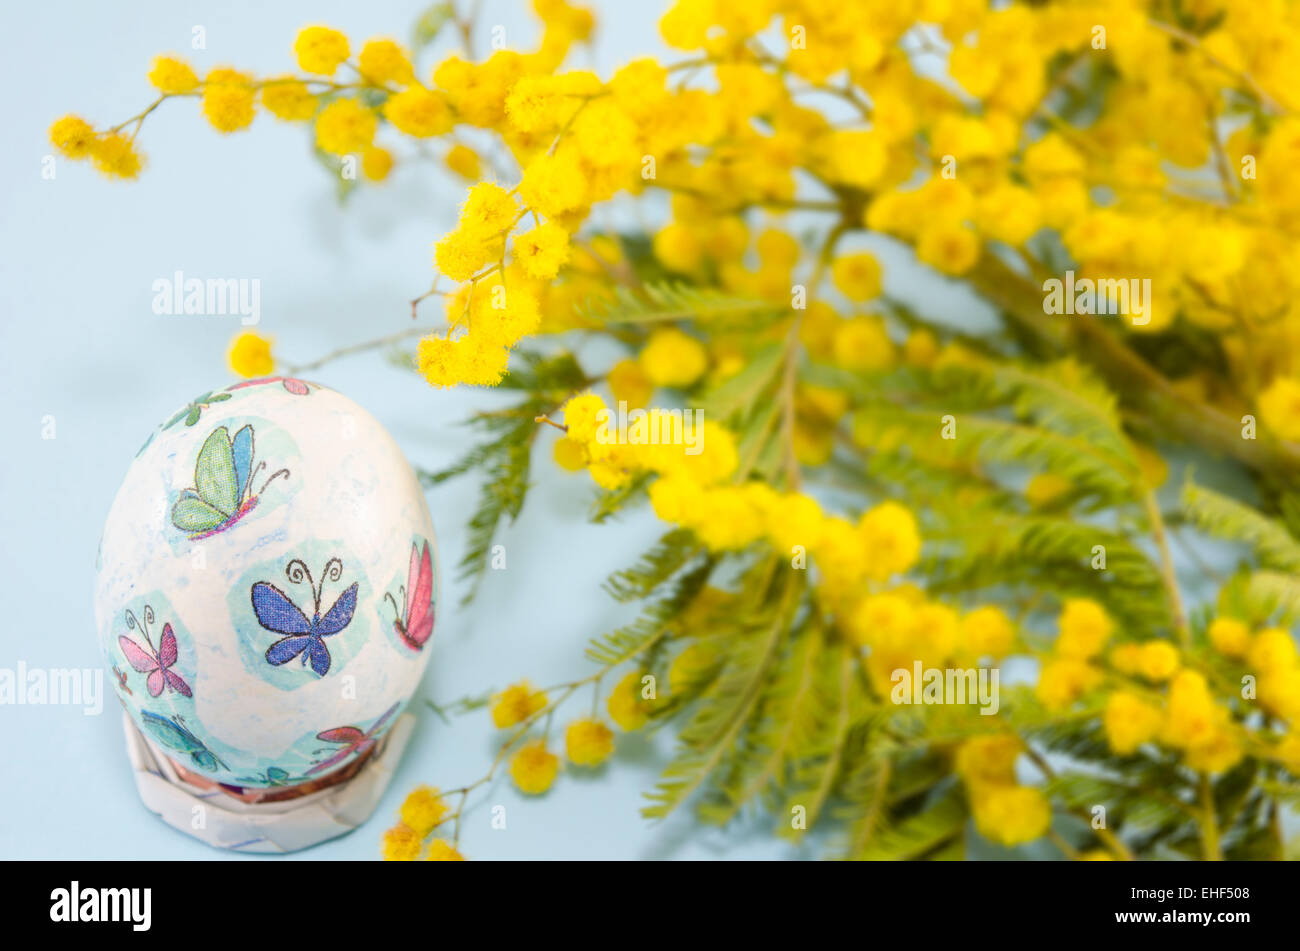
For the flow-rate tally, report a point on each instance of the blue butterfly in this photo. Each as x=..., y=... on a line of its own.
x=276, y=612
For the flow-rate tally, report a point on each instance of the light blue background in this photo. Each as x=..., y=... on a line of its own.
x=79, y=342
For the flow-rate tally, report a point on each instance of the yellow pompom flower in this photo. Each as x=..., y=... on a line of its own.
x=464, y=161
x=673, y=358
x=862, y=344
x=553, y=184
x=172, y=75
x=73, y=136
x=1085, y=628
x=891, y=540
x=1271, y=649
x=320, y=49
x=1063, y=681
x=542, y=251
x=1279, y=408
x=952, y=249
x=516, y=704
x=228, y=100
x=488, y=211
x=987, y=632
x=582, y=416
x=250, y=355
x=1011, y=815
x=460, y=256
x=419, y=112
x=423, y=809
x=376, y=163
x=468, y=359
x=440, y=850
x=588, y=742
x=625, y=706
x=1230, y=637
x=533, y=768
x=384, y=61
x=857, y=276
x=1127, y=658
x=988, y=760
x=570, y=454
x=288, y=99
x=1129, y=722
x=1193, y=718
x=345, y=126
x=1159, y=660
x=401, y=844
x=114, y=155
x=629, y=384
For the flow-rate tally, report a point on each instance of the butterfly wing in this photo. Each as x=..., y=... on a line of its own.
x=241, y=451
x=340, y=615
x=320, y=657
x=191, y=514
x=287, y=648
x=342, y=734
x=170, y=735
x=167, y=646
x=136, y=655
x=276, y=612
x=214, y=473
x=419, y=604
x=383, y=718
x=176, y=682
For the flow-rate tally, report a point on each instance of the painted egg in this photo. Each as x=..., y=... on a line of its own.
x=267, y=584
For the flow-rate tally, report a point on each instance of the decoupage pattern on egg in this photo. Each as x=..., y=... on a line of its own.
x=266, y=584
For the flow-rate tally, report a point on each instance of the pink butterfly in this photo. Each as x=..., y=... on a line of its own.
x=156, y=664
x=353, y=740
x=414, y=624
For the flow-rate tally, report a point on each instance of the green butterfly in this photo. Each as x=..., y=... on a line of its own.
x=223, y=484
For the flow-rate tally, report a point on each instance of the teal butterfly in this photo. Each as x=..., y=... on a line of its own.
x=175, y=735
x=223, y=484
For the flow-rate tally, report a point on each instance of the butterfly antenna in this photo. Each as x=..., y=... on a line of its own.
x=389, y=596
x=271, y=478
x=297, y=572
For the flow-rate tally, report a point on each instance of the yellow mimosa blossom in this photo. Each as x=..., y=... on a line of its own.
x=1011, y=815
x=172, y=75
x=228, y=100
x=533, y=768
x=345, y=126
x=384, y=61
x=320, y=49
x=288, y=99
x=423, y=809
x=440, y=850
x=673, y=358
x=1085, y=629
x=73, y=136
x=250, y=355
x=588, y=742
x=1129, y=722
x=401, y=844
x=625, y=706
x=1229, y=636
x=516, y=704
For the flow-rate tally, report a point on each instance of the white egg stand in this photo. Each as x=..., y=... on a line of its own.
x=288, y=825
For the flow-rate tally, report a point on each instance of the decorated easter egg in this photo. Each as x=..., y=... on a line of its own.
x=266, y=584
